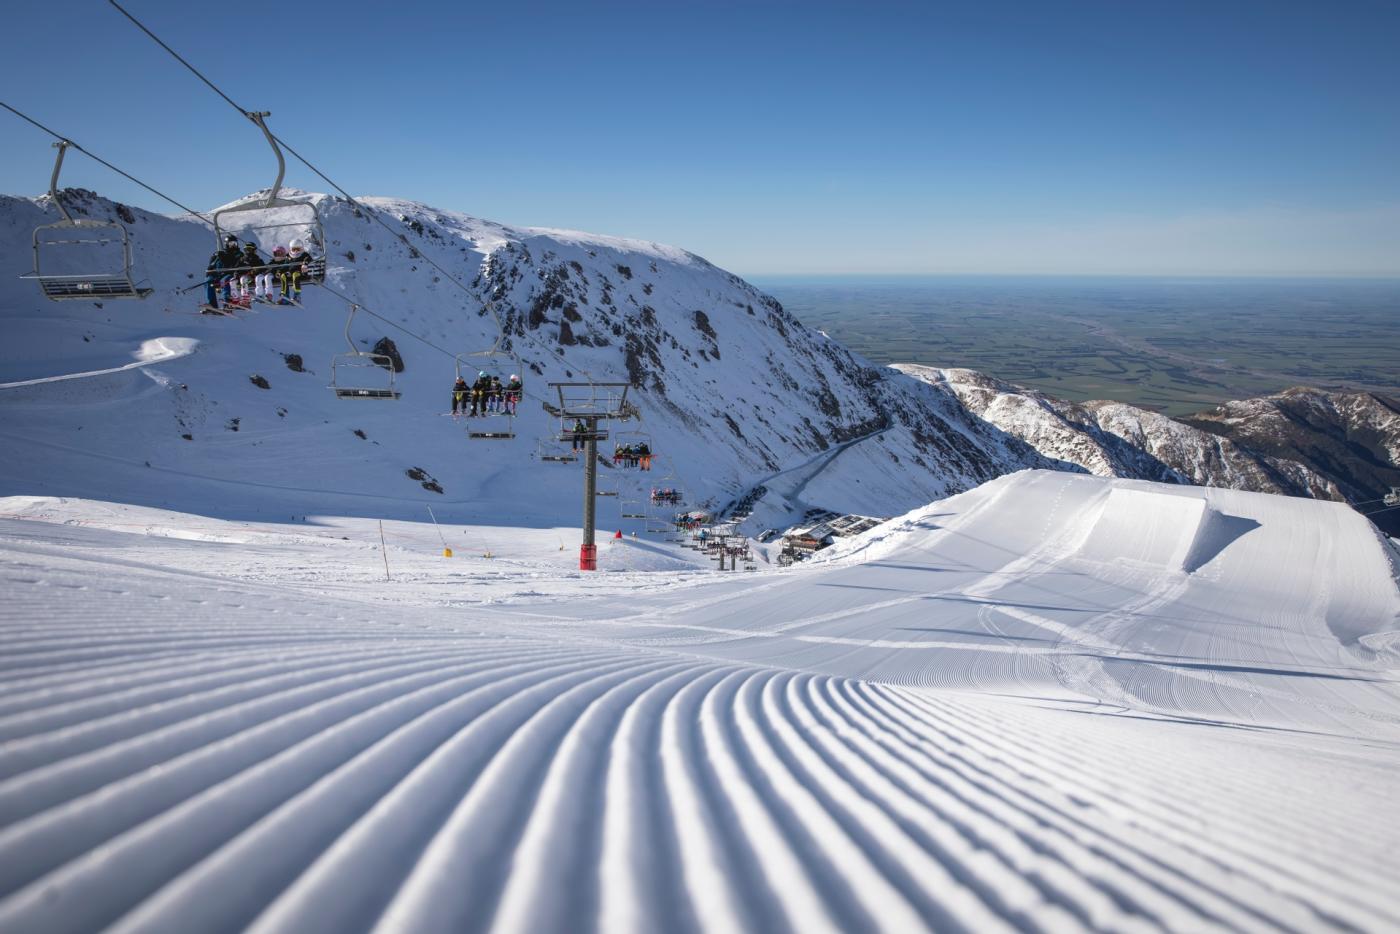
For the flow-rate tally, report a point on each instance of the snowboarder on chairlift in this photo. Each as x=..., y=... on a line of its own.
x=480, y=389
x=493, y=395
x=459, y=396
x=294, y=271
x=250, y=268
x=278, y=268
x=513, y=390
x=219, y=274
x=642, y=455
x=579, y=430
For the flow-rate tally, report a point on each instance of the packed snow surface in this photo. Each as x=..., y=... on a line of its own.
x=1056, y=701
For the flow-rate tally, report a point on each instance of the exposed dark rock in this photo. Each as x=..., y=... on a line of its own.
x=424, y=478
x=702, y=322
x=385, y=347
x=259, y=381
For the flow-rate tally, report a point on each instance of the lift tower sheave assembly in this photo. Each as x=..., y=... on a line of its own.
x=580, y=410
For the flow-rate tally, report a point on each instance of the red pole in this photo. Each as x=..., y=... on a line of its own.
x=588, y=557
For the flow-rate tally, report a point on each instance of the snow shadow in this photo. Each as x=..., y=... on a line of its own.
x=1217, y=532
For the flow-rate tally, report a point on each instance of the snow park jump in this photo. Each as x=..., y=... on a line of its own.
x=300, y=629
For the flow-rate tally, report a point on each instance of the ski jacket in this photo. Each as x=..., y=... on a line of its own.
x=227, y=258
x=251, y=262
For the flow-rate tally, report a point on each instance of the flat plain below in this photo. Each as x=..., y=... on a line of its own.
x=1177, y=346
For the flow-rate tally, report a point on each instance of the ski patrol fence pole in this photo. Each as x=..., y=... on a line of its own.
x=384, y=549
x=446, y=552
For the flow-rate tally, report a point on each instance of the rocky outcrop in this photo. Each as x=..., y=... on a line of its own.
x=1352, y=438
x=1114, y=439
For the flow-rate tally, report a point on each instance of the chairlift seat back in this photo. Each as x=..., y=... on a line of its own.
x=347, y=367
x=95, y=282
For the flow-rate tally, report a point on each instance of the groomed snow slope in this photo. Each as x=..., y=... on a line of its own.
x=1053, y=702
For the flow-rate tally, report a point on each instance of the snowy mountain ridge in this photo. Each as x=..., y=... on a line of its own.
x=731, y=388
x=734, y=392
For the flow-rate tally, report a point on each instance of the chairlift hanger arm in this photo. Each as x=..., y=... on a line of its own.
x=259, y=118
x=62, y=147
x=351, y=317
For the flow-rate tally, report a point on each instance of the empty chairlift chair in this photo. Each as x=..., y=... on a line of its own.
x=361, y=375
x=85, y=259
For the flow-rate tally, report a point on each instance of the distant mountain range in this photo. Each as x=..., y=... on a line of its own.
x=1341, y=446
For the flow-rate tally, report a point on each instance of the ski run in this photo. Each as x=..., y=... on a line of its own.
x=1054, y=702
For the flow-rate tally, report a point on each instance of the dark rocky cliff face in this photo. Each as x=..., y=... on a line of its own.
x=1352, y=438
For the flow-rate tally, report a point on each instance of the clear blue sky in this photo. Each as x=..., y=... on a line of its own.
x=771, y=137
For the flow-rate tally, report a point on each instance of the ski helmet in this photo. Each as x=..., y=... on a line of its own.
x=514, y=377
x=297, y=244
x=231, y=239
x=481, y=373
x=280, y=251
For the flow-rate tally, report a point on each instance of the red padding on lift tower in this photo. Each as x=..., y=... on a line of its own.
x=588, y=557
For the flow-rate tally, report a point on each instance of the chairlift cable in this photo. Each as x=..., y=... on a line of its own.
x=96, y=158
x=212, y=86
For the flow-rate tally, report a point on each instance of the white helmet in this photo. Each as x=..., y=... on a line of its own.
x=514, y=377
x=297, y=244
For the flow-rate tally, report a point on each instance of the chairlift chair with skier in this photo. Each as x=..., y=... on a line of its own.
x=273, y=221
x=490, y=374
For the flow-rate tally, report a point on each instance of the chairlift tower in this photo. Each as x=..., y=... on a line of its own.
x=589, y=403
